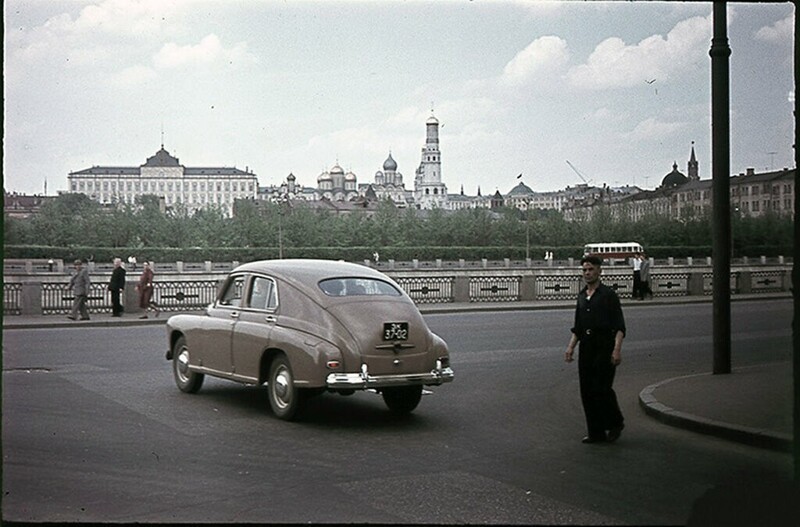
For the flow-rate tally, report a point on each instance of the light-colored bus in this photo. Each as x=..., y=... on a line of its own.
x=614, y=251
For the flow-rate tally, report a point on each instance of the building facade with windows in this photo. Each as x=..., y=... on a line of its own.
x=163, y=175
x=681, y=197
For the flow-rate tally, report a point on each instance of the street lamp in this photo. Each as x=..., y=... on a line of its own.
x=280, y=200
x=527, y=228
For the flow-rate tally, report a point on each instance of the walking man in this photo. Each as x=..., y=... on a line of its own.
x=117, y=286
x=600, y=328
x=644, y=274
x=80, y=283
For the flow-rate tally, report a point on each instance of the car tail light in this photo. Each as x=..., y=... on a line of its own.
x=333, y=364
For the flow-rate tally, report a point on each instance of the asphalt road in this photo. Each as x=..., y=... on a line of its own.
x=95, y=430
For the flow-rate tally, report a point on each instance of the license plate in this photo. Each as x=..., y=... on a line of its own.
x=395, y=331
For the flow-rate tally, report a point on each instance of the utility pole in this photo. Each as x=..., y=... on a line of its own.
x=796, y=283
x=720, y=158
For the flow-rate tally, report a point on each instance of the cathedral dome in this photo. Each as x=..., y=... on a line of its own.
x=390, y=165
x=674, y=178
x=350, y=176
x=521, y=190
x=337, y=169
x=432, y=120
x=325, y=176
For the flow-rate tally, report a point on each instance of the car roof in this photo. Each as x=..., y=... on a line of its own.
x=306, y=273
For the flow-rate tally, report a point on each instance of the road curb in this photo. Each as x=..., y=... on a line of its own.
x=761, y=438
x=100, y=323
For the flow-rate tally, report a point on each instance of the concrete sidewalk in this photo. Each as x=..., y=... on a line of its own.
x=752, y=405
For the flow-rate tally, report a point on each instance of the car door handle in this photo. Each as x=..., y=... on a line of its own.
x=271, y=319
x=234, y=314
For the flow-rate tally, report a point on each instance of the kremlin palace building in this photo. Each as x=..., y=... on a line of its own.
x=195, y=188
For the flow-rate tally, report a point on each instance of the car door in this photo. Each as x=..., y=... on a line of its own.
x=218, y=334
x=251, y=333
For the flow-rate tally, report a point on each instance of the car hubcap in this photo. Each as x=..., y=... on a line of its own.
x=183, y=364
x=281, y=387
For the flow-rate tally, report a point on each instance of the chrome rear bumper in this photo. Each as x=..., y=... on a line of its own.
x=364, y=380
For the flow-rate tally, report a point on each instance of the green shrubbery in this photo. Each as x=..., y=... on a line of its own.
x=73, y=226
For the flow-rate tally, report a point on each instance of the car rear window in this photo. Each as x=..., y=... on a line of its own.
x=357, y=287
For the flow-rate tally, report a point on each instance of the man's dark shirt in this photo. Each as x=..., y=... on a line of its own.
x=599, y=318
x=117, y=279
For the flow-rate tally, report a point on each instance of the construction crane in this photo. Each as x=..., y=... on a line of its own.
x=579, y=174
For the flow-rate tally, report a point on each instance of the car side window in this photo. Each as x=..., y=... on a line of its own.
x=263, y=294
x=233, y=292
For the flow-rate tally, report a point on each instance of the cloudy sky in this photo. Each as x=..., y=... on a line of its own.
x=619, y=89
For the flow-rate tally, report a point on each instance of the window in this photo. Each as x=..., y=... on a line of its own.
x=263, y=294
x=357, y=287
x=233, y=292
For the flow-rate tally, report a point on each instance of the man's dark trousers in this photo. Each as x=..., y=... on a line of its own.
x=596, y=374
x=116, y=305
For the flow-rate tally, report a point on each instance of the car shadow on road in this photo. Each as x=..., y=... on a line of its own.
x=362, y=410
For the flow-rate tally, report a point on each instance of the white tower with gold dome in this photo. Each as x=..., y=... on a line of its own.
x=429, y=191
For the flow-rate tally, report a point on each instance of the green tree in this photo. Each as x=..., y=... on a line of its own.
x=212, y=228
x=69, y=219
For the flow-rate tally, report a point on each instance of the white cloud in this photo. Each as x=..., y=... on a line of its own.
x=132, y=17
x=780, y=31
x=652, y=128
x=616, y=64
x=97, y=34
x=543, y=57
x=208, y=51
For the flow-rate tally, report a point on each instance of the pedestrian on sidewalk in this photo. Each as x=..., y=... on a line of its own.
x=80, y=284
x=145, y=288
x=117, y=286
x=599, y=328
x=644, y=275
x=636, y=262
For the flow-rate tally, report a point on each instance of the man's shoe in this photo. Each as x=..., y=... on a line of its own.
x=590, y=439
x=614, y=433
x=143, y=316
x=85, y=318
x=70, y=317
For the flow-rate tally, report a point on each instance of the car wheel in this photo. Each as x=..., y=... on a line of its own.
x=402, y=400
x=284, y=398
x=188, y=381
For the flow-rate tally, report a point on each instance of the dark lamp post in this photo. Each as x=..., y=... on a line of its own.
x=720, y=152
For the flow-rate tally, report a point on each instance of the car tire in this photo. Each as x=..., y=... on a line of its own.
x=188, y=381
x=285, y=398
x=402, y=400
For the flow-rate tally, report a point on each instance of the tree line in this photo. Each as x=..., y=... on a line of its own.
x=72, y=223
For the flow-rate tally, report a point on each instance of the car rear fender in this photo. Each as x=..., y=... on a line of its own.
x=309, y=356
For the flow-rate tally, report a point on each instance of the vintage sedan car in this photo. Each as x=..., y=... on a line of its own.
x=304, y=327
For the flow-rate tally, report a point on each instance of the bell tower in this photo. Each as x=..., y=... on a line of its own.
x=429, y=191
